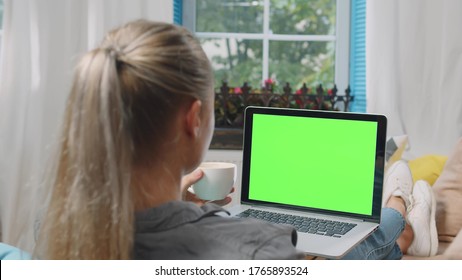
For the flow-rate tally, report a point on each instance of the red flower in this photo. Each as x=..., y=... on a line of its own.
x=237, y=90
x=269, y=81
x=329, y=91
x=299, y=91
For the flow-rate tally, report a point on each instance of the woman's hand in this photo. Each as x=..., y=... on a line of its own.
x=192, y=178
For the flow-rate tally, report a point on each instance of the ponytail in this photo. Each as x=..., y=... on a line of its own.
x=91, y=212
x=123, y=98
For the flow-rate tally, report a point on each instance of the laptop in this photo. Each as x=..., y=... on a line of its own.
x=319, y=171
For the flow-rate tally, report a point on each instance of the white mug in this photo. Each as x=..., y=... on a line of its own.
x=217, y=182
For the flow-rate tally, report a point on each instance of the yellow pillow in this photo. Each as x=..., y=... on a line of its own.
x=428, y=167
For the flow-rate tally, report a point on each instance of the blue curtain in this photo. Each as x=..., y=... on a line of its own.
x=358, y=55
x=178, y=12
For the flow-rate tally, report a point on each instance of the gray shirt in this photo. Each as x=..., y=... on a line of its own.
x=183, y=230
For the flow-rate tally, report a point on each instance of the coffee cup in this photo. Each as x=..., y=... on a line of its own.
x=217, y=182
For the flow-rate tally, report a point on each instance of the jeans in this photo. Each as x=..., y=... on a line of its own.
x=381, y=244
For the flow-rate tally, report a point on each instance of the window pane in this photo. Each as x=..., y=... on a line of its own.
x=232, y=16
x=235, y=60
x=302, y=62
x=314, y=17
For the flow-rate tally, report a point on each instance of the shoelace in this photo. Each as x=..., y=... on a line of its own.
x=401, y=186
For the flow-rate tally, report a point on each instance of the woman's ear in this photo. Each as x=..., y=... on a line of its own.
x=193, y=118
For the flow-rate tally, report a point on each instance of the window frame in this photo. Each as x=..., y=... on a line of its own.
x=341, y=38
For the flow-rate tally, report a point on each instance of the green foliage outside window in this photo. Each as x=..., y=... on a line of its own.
x=238, y=60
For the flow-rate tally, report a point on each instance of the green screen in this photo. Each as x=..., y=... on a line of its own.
x=312, y=162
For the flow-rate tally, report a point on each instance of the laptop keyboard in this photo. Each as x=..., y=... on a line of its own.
x=301, y=224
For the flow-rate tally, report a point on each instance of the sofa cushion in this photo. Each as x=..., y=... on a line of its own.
x=448, y=193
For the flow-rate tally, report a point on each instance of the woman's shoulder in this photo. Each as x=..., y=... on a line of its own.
x=209, y=234
x=259, y=239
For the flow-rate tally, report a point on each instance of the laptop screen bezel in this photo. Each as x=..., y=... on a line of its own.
x=379, y=156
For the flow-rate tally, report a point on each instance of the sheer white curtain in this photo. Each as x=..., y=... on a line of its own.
x=42, y=39
x=414, y=70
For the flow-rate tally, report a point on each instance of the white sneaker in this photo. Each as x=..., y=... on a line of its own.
x=398, y=182
x=421, y=217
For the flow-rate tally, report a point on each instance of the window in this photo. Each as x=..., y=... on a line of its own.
x=291, y=41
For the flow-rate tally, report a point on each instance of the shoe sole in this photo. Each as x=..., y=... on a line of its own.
x=432, y=225
x=433, y=230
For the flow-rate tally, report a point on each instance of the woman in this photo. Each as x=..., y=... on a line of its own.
x=139, y=118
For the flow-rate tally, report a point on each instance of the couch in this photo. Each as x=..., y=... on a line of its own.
x=444, y=174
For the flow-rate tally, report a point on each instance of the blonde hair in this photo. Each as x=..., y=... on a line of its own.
x=124, y=95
